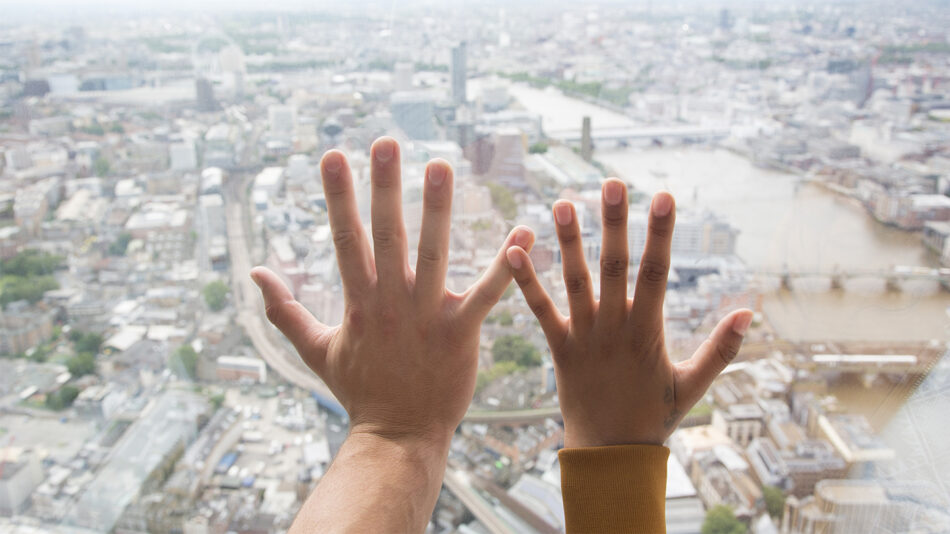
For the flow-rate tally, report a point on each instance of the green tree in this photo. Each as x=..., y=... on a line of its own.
x=120, y=245
x=14, y=288
x=216, y=295
x=30, y=263
x=101, y=166
x=514, y=348
x=184, y=362
x=82, y=364
x=503, y=200
x=721, y=520
x=88, y=342
x=774, y=501
x=538, y=148
x=62, y=398
x=498, y=370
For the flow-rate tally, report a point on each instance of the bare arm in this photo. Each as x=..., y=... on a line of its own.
x=403, y=362
x=615, y=381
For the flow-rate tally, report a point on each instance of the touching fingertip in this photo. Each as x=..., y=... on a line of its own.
x=514, y=259
x=662, y=204
x=332, y=162
x=437, y=173
x=741, y=323
x=523, y=237
x=563, y=213
x=384, y=148
x=613, y=192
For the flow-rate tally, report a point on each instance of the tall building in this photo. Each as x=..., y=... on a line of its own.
x=204, y=95
x=402, y=76
x=414, y=113
x=587, y=146
x=282, y=121
x=458, y=74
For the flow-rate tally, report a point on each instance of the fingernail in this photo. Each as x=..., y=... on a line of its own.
x=741, y=324
x=383, y=150
x=436, y=174
x=562, y=213
x=332, y=162
x=514, y=259
x=613, y=193
x=662, y=204
x=522, y=239
x=254, y=279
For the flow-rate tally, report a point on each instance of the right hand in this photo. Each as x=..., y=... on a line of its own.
x=404, y=361
x=615, y=381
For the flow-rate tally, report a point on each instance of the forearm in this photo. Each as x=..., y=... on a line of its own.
x=376, y=484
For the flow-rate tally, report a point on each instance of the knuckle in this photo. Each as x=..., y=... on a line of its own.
x=661, y=231
x=568, y=237
x=577, y=283
x=725, y=353
x=430, y=255
x=613, y=268
x=384, y=238
x=273, y=313
x=654, y=272
x=345, y=240
x=615, y=218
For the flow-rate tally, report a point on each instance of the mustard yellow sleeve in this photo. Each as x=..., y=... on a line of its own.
x=614, y=489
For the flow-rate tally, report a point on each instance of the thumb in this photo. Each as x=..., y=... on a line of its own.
x=697, y=373
x=307, y=334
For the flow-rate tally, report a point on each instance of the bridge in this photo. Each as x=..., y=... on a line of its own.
x=659, y=133
x=893, y=279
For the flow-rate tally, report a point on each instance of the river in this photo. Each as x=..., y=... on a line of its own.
x=782, y=223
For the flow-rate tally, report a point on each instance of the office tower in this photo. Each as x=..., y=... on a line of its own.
x=414, y=112
x=204, y=95
x=586, y=145
x=458, y=74
x=282, y=120
x=402, y=76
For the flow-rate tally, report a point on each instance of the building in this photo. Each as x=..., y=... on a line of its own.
x=241, y=368
x=414, y=113
x=20, y=474
x=204, y=96
x=845, y=506
x=936, y=237
x=20, y=331
x=282, y=121
x=459, y=74
x=741, y=422
x=587, y=146
x=402, y=76
x=183, y=156
x=695, y=235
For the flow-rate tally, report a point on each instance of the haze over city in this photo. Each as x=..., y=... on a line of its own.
x=152, y=153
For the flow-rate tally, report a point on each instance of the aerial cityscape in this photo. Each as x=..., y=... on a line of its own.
x=150, y=157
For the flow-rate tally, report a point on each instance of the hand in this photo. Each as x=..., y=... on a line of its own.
x=403, y=363
x=615, y=381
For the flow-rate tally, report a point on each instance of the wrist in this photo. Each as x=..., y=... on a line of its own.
x=421, y=446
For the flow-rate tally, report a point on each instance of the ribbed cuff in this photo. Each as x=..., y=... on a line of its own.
x=620, y=488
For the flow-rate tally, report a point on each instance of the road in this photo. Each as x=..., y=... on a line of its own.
x=457, y=482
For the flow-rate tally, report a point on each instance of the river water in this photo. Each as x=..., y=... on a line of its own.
x=782, y=223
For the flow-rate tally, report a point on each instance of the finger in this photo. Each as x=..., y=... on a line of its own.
x=389, y=232
x=485, y=293
x=614, y=256
x=580, y=297
x=697, y=373
x=551, y=320
x=647, y=313
x=308, y=335
x=353, y=253
x=434, y=236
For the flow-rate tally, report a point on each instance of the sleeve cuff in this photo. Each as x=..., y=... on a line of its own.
x=620, y=488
